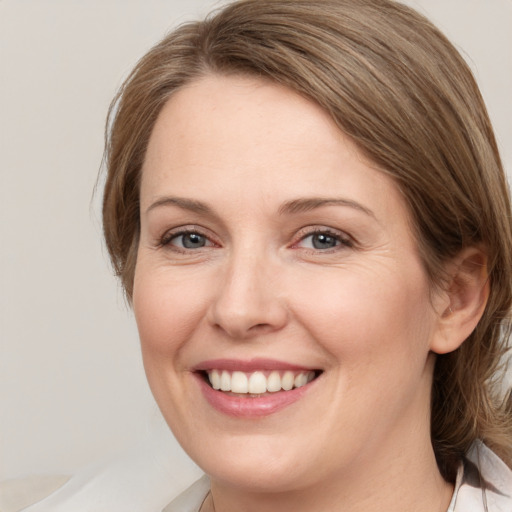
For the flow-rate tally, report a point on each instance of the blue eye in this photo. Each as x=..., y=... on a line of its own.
x=323, y=240
x=188, y=240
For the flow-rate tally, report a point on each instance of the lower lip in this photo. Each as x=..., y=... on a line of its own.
x=251, y=407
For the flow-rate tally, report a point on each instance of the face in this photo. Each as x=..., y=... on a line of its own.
x=277, y=264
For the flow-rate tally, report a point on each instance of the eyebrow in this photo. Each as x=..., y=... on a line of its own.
x=311, y=203
x=182, y=202
x=294, y=206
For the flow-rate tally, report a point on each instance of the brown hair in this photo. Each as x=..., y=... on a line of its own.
x=400, y=90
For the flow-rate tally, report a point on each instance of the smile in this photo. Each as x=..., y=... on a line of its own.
x=258, y=382
x=252, y=389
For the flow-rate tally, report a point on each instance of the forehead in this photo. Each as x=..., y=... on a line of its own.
x=215, y=111
x=255, y=139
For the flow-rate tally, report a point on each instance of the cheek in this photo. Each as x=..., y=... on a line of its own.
x=376, y=335
x=367, y=318
x=167, y=309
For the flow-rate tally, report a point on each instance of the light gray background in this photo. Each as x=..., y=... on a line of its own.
x=72, y=388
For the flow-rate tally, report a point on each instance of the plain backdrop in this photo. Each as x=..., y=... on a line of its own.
x=72, y=387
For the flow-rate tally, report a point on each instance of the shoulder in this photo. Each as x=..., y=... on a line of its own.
x=59, y=492
x=18, y=493
x=192, y=498
x=144, y=481
x=484, y=483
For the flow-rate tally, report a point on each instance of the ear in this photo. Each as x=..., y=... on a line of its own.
x=462, y=302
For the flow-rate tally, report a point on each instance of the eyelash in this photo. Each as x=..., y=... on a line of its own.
x=168, y=237
x=342, y=239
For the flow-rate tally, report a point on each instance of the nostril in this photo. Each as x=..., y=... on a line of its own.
x=261, y=327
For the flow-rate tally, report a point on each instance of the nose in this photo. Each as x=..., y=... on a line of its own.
x=248, y=301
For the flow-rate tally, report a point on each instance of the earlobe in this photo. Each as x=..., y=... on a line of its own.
x=465, y=298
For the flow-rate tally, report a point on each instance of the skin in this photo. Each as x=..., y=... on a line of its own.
x=361, y=311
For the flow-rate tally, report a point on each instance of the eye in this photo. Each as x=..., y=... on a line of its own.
x=323, y=240
x=186, y=240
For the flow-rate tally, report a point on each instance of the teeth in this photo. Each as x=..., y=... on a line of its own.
x=215, y=379
x=300, y=380
x=257, y=383
x=287, y=381
x=225, y=381
x=274, y=382
x=239, y=383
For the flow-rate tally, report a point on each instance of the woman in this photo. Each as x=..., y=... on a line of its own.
x=301, y=195
x=306, y=207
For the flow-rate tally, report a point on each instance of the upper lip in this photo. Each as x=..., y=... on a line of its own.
x=248, y=366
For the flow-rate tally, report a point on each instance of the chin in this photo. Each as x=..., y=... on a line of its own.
x=259, y=463
x=258, y=475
